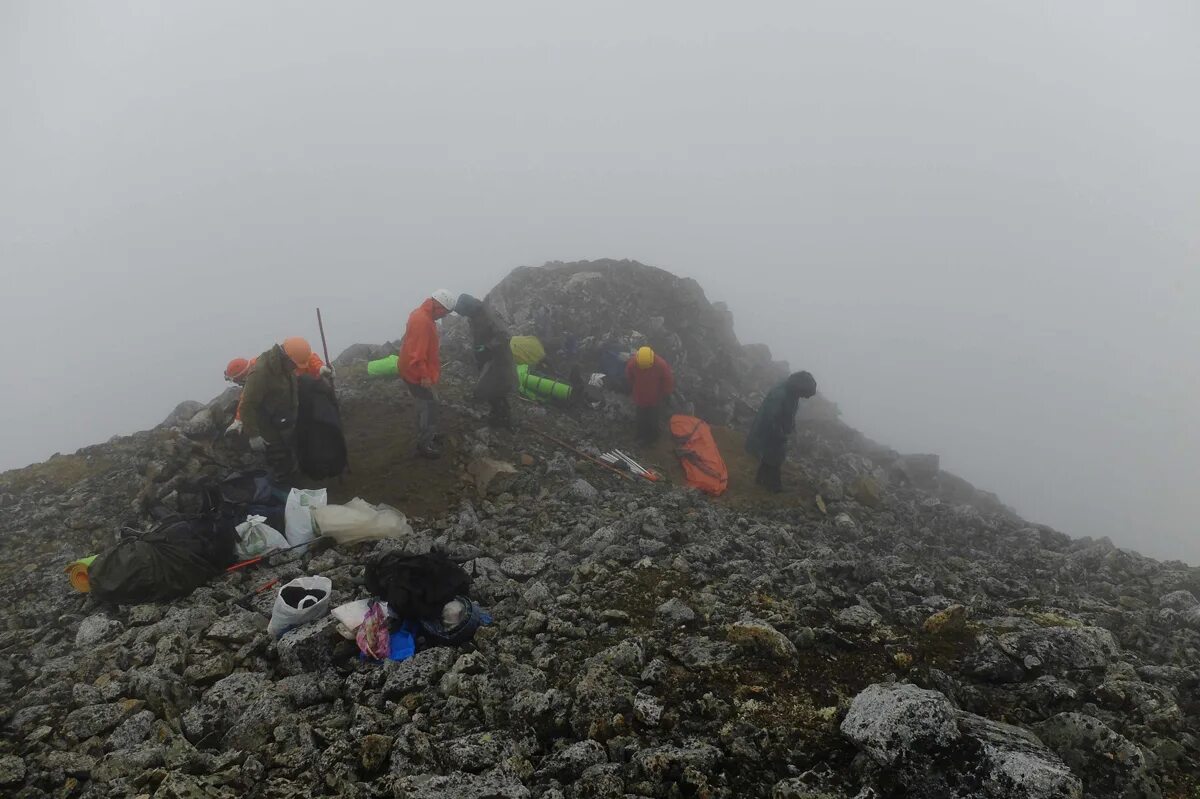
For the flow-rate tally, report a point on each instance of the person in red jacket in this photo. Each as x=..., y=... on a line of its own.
x=651, y=382
x=420, y=366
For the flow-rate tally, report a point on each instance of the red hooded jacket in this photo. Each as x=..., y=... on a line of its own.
x=650, y=386
x=419, y=359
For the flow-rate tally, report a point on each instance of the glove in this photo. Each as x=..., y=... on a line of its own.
x=235, y=427
x=327, y=371
x=258, y=444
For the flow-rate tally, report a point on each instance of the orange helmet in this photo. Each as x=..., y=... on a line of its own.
x=297, y=349
x=236, y=369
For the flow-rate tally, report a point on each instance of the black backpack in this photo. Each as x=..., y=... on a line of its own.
x=416, y=586
x=242, y=494
x=320, y=443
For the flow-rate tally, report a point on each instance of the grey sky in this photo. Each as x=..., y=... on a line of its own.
x=978, y=225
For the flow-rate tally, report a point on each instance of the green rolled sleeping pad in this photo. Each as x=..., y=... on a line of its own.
x=539, y=388
x=384, y=367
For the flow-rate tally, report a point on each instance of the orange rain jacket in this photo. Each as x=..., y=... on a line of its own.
x=419, y=358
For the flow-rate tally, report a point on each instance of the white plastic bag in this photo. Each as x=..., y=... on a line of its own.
x=297, y=516
x=256, y=537
x=350, y=616
x=302, y=600
x=359, y=520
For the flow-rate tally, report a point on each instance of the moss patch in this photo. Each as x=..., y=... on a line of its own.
x=60, y=472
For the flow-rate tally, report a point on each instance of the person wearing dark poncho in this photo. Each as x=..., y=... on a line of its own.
x=774, y=424
x=493, y=356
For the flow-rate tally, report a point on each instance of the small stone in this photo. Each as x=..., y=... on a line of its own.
x=535, y=622
x=12, y=770
x=762, y=639
x=96, y=630
x=647, y=709
x=1179, y=600
x=859, y=618
x=524, y=565
x=583, y=491
x=133, y=731
x=239, y=628
x=866, y=491
x=309, y=648
x=674, y=612
x=615, y=617
x=209, y=670
x=951, y=621
x=571, y=762
x=374, y=751
x=537, y=595
x=98, y=719
x=420, y=671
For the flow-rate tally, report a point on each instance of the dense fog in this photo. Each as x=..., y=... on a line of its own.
x=977, y=226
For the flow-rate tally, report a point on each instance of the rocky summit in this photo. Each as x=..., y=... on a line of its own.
x=882, y=629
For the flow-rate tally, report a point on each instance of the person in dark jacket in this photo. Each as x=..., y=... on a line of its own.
x=493, y=357
x=270, y=402
x=651, y=382
x=774, y=424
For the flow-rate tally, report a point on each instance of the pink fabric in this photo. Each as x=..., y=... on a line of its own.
x=373, y=638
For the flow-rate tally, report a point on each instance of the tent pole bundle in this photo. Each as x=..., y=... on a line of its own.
x=622, y=460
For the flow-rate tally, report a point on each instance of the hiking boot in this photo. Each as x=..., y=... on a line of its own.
x=430, y=451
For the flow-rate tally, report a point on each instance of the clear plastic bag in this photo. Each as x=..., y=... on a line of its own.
x=359, y=520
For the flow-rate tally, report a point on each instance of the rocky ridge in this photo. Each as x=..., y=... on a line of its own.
x=907, y=636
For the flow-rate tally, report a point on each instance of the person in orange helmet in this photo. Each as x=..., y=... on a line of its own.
x=420, y=365
x=237, y=370
x=270, y=402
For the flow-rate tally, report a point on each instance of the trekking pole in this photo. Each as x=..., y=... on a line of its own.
x=597, y=461
x=325, y=349
x=324, y=346
x=245, y=563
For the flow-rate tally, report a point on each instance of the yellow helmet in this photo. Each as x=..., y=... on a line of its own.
x=645, y=358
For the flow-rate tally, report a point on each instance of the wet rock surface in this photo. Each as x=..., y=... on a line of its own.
x=647, y=641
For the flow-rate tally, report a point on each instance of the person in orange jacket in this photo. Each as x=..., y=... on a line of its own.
x=237, y=370
x=420, y=366
x=651, y=382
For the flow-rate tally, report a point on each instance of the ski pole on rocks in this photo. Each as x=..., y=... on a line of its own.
x=246, y=563
x=596, y=461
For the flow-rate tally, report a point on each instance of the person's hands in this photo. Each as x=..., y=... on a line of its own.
x=426, y=383
x=327, y=371
x=258, y=443
x=235, y=428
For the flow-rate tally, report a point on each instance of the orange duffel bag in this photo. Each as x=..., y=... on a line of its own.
x=697, y=452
